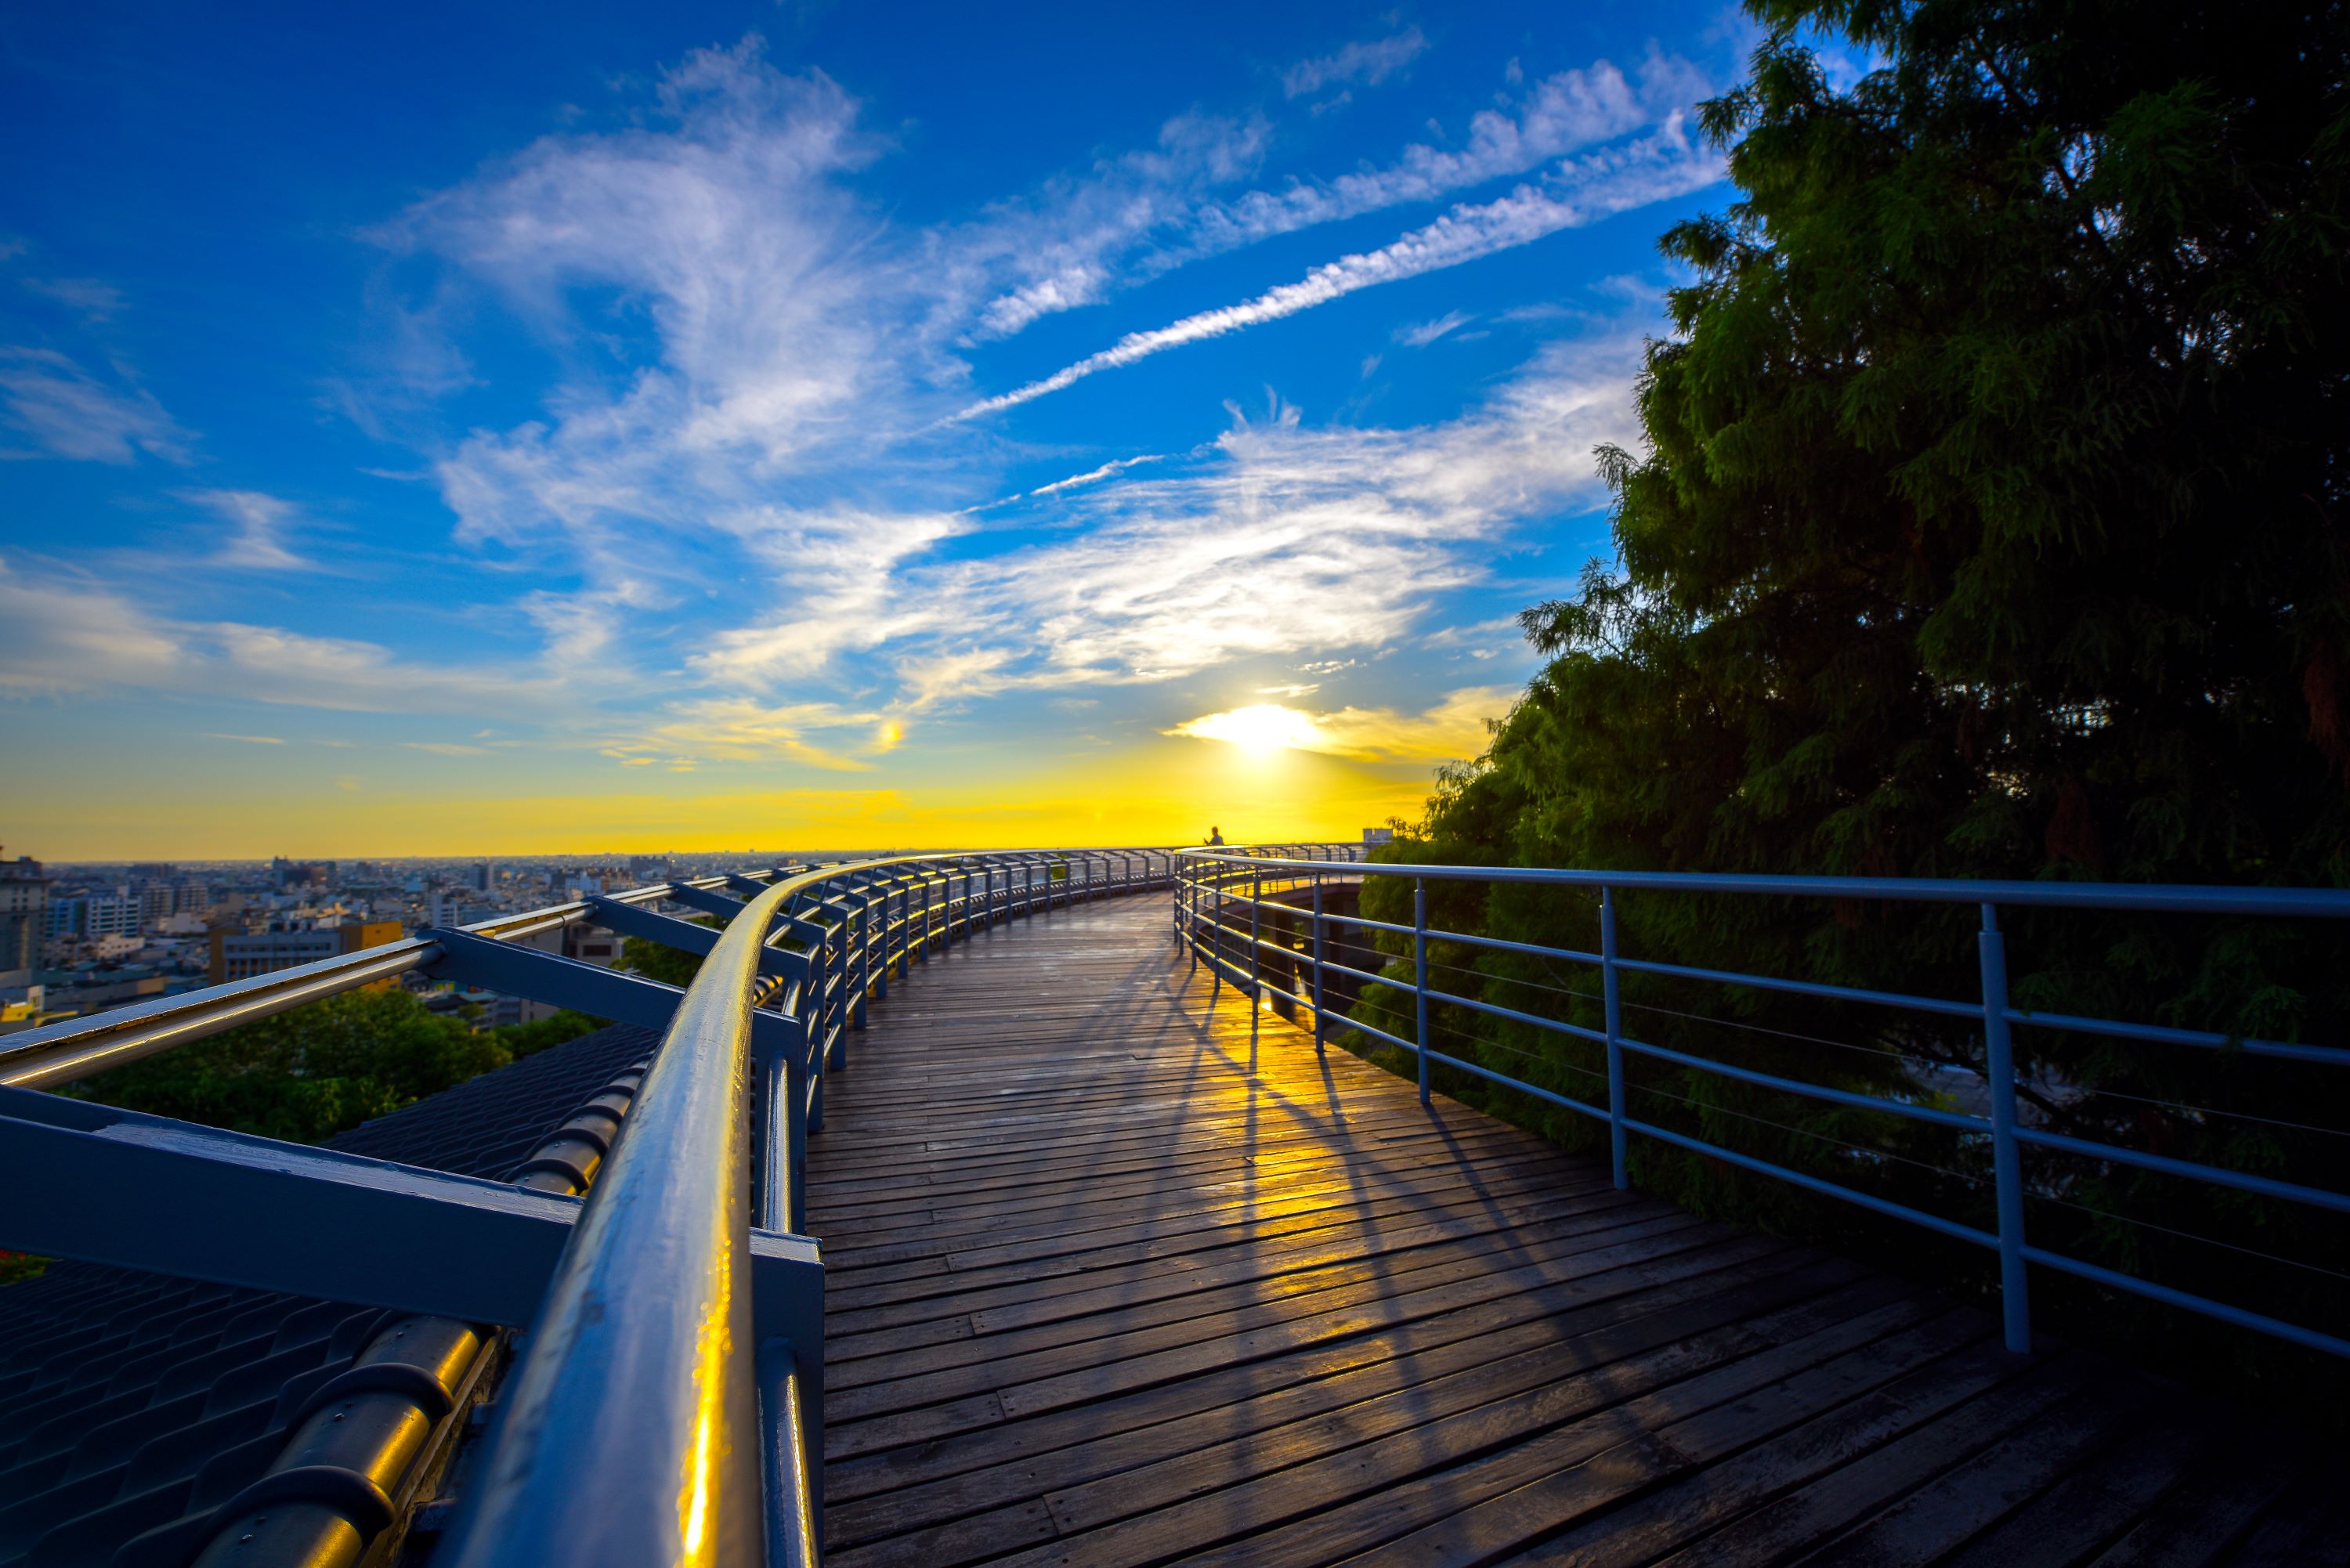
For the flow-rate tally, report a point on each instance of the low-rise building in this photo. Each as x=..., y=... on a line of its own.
x=241, y=955
x=24, y=918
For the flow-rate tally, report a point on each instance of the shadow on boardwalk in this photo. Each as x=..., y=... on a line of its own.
x=1112, y=1282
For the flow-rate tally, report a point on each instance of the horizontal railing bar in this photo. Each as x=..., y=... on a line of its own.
x=1971, y=1010
x=1557, y=1026
x=1568, y=1102
x=76, y=1047
x=2316, y=903
x=1958, y=1120
x=2220, y=1176
x=2259, y=1322
x=1866, y=1200
x=2160, y=1034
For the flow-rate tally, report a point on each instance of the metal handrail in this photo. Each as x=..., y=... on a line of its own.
x=74, y=1048
x=664, y=1407
x=646, y=1406
x=648, y=1317
x=1214, y=881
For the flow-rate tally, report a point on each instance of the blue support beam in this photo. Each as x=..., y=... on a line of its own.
x=518, y=971
x=669, y=931
x=704, y=899
x=147, y=1192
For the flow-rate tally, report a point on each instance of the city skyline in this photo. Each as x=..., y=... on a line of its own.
x=671, y=426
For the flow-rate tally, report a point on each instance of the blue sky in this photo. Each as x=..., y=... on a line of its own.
x=506, y=428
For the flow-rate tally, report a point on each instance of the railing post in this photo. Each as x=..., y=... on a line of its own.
x=1317, y=962
x=1256, y=952
x=1612, y=998
x=856, y=933
x=1216, y=925
x=2007, y=1157
x=852, y=1000
x=1187, y=909
x=1420, y=973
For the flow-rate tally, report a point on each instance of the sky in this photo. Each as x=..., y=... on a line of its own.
x=499, y=430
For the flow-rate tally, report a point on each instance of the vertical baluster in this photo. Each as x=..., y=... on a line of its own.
x=1318, y=1032
x=1256, y=952
x=1216, y=925
x=2007, y=1157
x=1187, y=909
x=849, y=1004
x=1613, y=1000
x=1420, y=973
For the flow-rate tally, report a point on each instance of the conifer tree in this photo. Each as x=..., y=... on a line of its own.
x=1990, y=523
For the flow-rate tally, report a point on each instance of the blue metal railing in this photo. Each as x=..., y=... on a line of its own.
x=1212, y=882
x=664, y=1407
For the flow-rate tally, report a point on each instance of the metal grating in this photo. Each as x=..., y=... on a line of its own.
x=132, y=1405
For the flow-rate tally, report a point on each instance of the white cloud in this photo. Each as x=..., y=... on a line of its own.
x=725, y=219
x=1094, y=475
x=1139, y=218
x=73, y=414
x=1284, y=541
x=834, y=572
x=262, y=522
x=1653, y=169
x=1056, y=250
x=92, y=298
x=1419, y=335
x=1074, y=482
x=737, y=729
x=248, y=740
x=1370, y=62
x=69, y=636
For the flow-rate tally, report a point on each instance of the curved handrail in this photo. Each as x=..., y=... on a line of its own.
x=651, y=1419
x=649, y=1315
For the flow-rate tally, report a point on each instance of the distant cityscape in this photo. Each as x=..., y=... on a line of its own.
x=78, y=939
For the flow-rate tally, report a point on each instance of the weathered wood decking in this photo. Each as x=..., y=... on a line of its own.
x=1107, y=1285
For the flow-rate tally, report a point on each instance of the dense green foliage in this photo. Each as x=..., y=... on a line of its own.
x=1988, y=525
x=308, y=1075
x=670, y=966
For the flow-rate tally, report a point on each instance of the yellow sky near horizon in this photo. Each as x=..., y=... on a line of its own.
x=1163, y=791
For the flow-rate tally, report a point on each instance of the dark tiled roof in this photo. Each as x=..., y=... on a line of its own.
x=131, y=1401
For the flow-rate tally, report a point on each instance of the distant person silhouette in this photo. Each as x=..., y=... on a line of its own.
x=1215, y=838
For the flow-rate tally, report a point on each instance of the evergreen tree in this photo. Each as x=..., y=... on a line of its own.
x=1990, y=523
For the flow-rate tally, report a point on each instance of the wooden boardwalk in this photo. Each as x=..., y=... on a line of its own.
x=1107, y=1285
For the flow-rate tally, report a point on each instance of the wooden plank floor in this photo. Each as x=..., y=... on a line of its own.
x=1108, y=1284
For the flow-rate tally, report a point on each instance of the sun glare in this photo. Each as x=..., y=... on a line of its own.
x=1262, y=727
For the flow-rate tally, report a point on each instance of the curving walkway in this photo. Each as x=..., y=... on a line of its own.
x=1110, y=1283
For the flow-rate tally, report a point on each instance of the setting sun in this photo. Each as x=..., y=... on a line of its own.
x=1262, y=727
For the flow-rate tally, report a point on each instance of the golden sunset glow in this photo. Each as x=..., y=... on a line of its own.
x=1259, y=727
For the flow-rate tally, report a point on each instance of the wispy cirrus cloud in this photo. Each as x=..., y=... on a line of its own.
x=1369, y=61
x=93, y=298
x=1060, y=248
x=262, y=523
x=741, y=729
x=1419, y=335
x=1653, y=169
x=1284, y=539
x=72, y=413
x=67, y=635
x=1130, y=222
